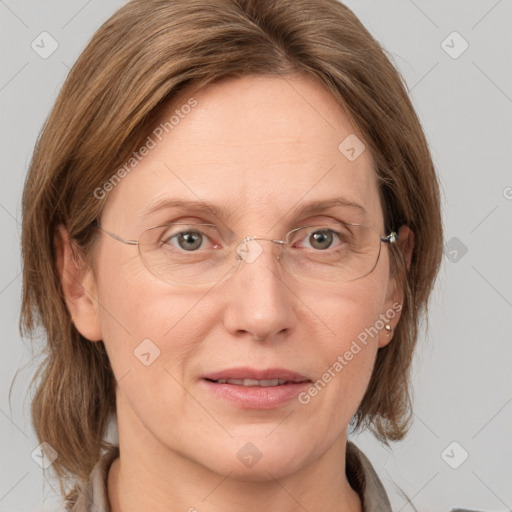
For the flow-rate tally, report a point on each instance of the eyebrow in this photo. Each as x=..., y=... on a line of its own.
x=224, y=213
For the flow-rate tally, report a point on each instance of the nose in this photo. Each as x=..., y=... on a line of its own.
x=260, y=304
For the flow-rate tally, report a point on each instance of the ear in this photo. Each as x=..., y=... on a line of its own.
x=78, y=285
x=394, y=297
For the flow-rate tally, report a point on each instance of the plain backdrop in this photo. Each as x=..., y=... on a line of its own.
x=455, y=57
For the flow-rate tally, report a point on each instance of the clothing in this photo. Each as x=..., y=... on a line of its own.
x=360, y=474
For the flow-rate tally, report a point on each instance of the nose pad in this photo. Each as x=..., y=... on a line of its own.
x=249, y=249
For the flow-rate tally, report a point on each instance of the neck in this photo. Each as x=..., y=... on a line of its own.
x=151, y=476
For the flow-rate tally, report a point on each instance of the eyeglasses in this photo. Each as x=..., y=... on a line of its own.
x=203, y=254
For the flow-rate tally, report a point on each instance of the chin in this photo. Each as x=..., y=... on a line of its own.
x=269, y=467
x=260, y=459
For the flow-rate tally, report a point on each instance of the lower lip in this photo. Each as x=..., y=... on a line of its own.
x=257, y=397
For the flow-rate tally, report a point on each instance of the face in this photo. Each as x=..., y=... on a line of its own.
x=260, y=150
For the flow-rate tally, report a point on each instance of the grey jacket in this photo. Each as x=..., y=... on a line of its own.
x=360, y=474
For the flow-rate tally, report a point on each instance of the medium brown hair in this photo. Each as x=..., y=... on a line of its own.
x=144, y=56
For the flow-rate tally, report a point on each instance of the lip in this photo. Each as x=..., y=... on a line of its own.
x=255, y=374
x=256, y=397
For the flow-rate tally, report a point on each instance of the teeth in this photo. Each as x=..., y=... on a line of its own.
x=252, y=382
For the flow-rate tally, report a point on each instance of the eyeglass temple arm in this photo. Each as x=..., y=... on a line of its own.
x=118, y=238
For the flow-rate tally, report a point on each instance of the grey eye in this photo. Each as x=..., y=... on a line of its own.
x=188, y=240
x=321, y=239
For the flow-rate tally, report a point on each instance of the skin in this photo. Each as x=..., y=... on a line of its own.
x=260, y=147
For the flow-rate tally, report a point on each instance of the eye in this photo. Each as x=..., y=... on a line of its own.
x=320, y=239
x=189, y=240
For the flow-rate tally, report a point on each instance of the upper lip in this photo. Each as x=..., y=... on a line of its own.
x=257, y=374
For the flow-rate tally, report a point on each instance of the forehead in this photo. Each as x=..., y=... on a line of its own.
x=258, y=147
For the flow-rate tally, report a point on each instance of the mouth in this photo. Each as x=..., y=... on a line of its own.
x=250, y=388
x=253, y=382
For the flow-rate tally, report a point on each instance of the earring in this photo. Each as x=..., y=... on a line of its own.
x=389, y=329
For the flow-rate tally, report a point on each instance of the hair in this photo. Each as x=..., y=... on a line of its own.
x=144, y=56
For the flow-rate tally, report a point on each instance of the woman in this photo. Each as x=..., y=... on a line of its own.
x=231, y=228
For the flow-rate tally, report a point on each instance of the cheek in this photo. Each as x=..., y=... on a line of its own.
x=138, y=312
x=352, y=308
x=152, y=332
x=347, y=349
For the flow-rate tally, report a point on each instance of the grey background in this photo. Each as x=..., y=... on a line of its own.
x=462, y=371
